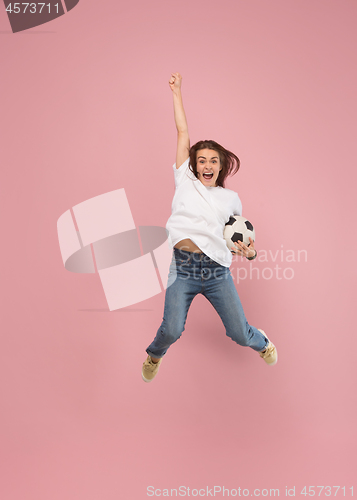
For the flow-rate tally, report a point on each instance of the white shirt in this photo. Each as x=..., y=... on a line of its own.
x=200, y=214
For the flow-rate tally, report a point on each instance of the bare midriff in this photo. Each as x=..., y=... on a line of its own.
x=188, y=245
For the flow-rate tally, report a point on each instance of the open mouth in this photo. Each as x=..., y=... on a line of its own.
x=208, y=176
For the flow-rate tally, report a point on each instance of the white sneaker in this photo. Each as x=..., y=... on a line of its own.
x=270, y=355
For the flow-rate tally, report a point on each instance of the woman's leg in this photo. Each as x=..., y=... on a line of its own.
x=221, y=292
x=178, y=298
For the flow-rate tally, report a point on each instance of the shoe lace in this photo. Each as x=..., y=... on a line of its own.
x=269, y=350
x=149, y=365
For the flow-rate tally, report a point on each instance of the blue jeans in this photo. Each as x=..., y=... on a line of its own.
x=192, y=273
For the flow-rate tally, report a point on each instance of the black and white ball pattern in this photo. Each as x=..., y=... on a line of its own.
x=238, y=228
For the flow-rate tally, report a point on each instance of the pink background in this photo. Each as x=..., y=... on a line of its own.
x=86, y=109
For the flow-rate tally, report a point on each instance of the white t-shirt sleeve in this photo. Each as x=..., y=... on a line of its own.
x=182, y=174
x=237, y=205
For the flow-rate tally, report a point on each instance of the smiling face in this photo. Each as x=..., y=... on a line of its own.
x=208, y=166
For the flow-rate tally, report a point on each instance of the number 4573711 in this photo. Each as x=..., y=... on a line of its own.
x=33, y=8
x=326, y=491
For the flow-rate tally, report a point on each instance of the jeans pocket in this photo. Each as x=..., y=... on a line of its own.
x=181, y=258
x=184, y=261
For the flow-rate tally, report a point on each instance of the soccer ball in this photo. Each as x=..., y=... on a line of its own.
x=238, y=228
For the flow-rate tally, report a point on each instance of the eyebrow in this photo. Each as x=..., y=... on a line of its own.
x=213, y=157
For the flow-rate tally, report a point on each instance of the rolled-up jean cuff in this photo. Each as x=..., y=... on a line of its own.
x=154, y=355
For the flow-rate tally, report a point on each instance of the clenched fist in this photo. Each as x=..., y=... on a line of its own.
x=175, y=81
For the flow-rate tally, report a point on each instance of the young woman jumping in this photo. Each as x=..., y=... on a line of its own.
x=201, y=259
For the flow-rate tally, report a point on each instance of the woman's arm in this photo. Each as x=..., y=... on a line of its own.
x=183, y=140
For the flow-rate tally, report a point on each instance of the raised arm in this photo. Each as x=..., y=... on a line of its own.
x=183, y=140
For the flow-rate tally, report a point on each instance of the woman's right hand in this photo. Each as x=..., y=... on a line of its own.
x=175, y=81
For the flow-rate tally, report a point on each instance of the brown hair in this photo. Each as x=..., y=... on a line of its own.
x=229, y=161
